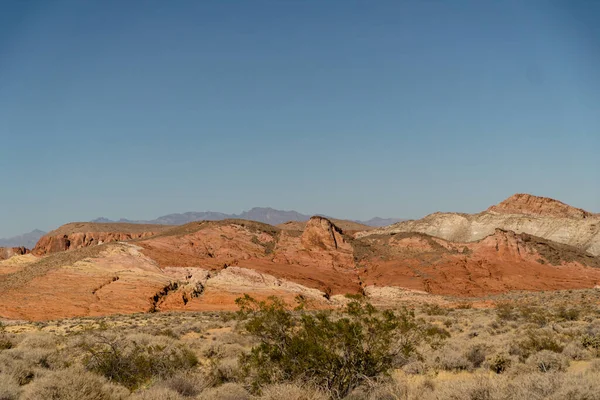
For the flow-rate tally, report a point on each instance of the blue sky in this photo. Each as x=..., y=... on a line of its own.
x=347, y=108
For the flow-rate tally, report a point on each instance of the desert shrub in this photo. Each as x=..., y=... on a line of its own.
x=157, y=393
x=476, y=355
x=534, y=386
x=538, y=340
x=433, y=335
x=578, y=387
x=594, y=366
x=435, y=309
x=228, y=391
x=499, y=362
x=5, y=342
x=546, y=361
x=133, y=361
x=451, y=359
x=20, y=371
x=524, y=312
x=534, y=314
x=9, y=389
x=479, y=388
x=463, y=306
x=335, y=353
x=187, y=384
x=289, y=391
x=568, y=313
x=591, y=342
x=31, y=357
x=576, y=351
x=507, y=312
x=380, y=390
x=73, y=384
x=39, y=340
x=415, y=367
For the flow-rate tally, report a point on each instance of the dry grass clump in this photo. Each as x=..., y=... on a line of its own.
x=290, y=391
x=133, y=360
x=73, y=384
x=9, y=388
x=227, y=391
x=157, y=393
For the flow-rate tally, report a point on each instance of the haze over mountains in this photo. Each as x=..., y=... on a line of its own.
x=26, y=240
x=265, y=215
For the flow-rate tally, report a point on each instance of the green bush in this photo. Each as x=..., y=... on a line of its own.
x=132, y=362
x=334, y=352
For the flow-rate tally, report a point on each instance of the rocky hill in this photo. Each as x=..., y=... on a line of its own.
x=8, y=252
x=527, y=204
x=539, y=216
x=126, y=268
x=83, y=234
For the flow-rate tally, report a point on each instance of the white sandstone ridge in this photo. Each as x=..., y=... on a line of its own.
x=521, y=213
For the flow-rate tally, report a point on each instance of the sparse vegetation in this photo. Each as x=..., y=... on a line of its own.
x=270, y=351
x=333, y=352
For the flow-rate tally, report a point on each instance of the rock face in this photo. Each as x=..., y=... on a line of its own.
x=501, y=262
x=79, y=235
x=317, y=257
x=8, y=252
x=207, y=265
x=533, y=205
x=323, y=234
x=545, y=218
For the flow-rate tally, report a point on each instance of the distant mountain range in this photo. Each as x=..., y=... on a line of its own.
x=261, y=214
x=27, y=240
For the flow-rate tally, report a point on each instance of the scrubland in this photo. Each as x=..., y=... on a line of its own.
x=523, y=346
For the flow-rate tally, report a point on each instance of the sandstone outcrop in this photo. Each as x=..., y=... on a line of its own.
x=541, y=217
x=527, y=204
x=8, y=252
x=79, y=235
x=316, y=258
x=502, y=262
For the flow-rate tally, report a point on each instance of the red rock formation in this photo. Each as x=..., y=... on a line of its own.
x=8, y=252
x=79, y=235
x=207, y=265
x=499, y=263
x=317, y=258
x=321, y=233
x=535, y=205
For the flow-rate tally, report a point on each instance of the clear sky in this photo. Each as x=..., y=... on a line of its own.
x=348, y=108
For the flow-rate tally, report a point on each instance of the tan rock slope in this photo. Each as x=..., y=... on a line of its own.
x=539, y=216
x=83, y=234
x=542, y=206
